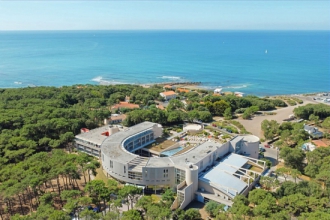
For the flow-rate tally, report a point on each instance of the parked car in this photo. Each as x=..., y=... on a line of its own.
x=96, y=209
x=267, y=145
x=257, y=186
x=262, y=149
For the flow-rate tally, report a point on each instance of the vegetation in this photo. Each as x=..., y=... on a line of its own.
x=320, y=110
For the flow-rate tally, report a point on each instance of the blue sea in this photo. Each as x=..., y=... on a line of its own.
x=253, y=62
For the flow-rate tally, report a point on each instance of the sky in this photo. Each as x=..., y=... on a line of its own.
x=171, y=14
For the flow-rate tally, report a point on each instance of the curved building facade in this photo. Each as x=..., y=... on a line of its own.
x=187, y=171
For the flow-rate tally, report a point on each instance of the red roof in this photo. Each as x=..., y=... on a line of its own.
x=118, y=117
x=168, y=93
x=125, y=105
x=319, y=143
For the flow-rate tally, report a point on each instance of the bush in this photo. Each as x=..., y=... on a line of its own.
x=292, y=102
x=240, y=110
x=279, y=103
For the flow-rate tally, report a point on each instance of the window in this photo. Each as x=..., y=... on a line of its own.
x=124, y=169
x=111, y=164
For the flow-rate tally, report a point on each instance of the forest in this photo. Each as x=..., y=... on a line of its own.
x=42, y=177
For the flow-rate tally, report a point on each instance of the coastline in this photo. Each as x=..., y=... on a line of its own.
x=190, y=85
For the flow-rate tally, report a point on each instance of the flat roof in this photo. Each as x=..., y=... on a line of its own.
x=95, y=135
x=196, y=154
x=112, y=145
x=250, y=138
x=221, y=176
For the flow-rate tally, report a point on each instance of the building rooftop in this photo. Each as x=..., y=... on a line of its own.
x=196, y=154
x=319, y=143
x=183, y=90
x=168, y=93
x=221, y=176
x=96, y=136
x=118, y=117
x=112, y=145
x=313, y=131
x=125, y=105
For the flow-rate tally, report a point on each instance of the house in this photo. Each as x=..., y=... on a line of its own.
x=183, y=90
x=239, y=94
x=319, y=143
x=168, y=95
x=160, y=106
x=116, y=118
x=218, y=91
x=168, y=87
x=313, y=131
x=124, y=105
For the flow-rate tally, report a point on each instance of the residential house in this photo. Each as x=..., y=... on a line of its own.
x=168, y=95
x=313, y=131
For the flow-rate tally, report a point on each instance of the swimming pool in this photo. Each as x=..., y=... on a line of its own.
x=169, y=153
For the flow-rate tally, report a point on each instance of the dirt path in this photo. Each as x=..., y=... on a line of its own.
x=254, y=125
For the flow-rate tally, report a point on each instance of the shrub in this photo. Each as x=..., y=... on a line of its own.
x=292, y=102
x=279, y=103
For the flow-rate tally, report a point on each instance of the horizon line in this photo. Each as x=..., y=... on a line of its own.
x=165, y=30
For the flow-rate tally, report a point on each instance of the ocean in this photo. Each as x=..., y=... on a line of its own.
x=253, y=62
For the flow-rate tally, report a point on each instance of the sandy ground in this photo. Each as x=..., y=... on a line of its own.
x=254, y=125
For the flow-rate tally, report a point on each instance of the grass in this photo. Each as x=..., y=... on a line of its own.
x=100, y=175
x=155, y=198
x=161, y=144
x=256, y=169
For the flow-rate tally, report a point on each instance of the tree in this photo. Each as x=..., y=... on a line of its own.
x=293, y=158
x=269, y=182
x=240, y=207
x=283, y=171
x=314, y=119
x=220, y=107
x=98, y=191
x=144, y=203
x=295, y=174
x=270, y=129
x=205, y=116
x=257, y=196
x=168, y=196
x=130, y=193
x=266, y=207
x=324, y=177
x=131, y=215
x=192, y=214
x=228, y=114
x=295, y=204
x=174, y=104
x=213, y=208
x=326, y=123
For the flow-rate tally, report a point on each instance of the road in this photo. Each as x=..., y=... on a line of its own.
x=272, y=154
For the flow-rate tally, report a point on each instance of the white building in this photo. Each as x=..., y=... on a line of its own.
x=168, y=95
x=210, y=171
x=217, y=91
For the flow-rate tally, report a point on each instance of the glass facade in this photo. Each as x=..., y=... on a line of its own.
x=139, y=140
x=180, y=176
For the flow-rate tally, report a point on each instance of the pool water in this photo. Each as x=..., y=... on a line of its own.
x=169, y=153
